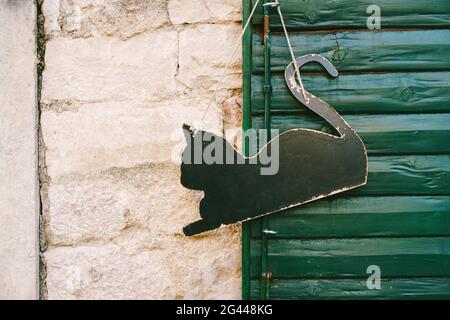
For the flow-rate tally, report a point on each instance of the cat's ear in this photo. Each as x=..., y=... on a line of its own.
x=188, y=132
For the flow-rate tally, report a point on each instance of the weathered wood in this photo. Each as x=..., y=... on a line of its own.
x=400, y=219
x=363, y=217
x=348, y=14
x=401, y=288
x=418, y=50
x=376, y=93
x=407, y=175
x=346, y=258
x=382, y=134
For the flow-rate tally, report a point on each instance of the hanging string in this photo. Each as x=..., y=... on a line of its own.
x=294, y=60
x=238, y=43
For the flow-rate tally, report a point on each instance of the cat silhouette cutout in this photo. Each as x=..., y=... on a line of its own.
x=311, y=165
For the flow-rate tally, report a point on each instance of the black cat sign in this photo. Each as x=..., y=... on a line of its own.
x=310, y=165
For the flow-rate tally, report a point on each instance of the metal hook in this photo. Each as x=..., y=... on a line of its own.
x=272, y=4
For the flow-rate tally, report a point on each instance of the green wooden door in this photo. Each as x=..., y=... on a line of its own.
x=394, y=89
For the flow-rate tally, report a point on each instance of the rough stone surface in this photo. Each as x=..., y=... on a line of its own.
x=19, y=208
x=121, y=78
x=132, y=267
x=126, y=133
x=98, y=206
x=194, y=11
x=126, y=244
x=107, y=68
x=232, y=121
x=51, y=10
x=205, y=51
x=88, y=18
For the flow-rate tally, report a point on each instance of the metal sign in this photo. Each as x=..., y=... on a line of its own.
x=311, y=165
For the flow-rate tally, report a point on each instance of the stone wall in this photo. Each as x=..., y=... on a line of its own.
x=120, y=78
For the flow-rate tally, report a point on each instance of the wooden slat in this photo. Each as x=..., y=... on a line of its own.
x=404, y=288
x=382, y=134
x=375, y=93
x=363, y=217
x=326, y=14
x=407, y=175
x=418, y=50
x=346, y=258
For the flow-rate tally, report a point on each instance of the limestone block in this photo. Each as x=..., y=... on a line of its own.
x=141, y=68
x=105, y=272
x=86, y=18
x=225, y=10
x=181, y=268
x=50, y=9
x=98, y=206
x=217, y=265
x=195, y=11
x=205, y=50
x=97, y=136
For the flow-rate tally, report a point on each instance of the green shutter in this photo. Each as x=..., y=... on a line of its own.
x=394, y=90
